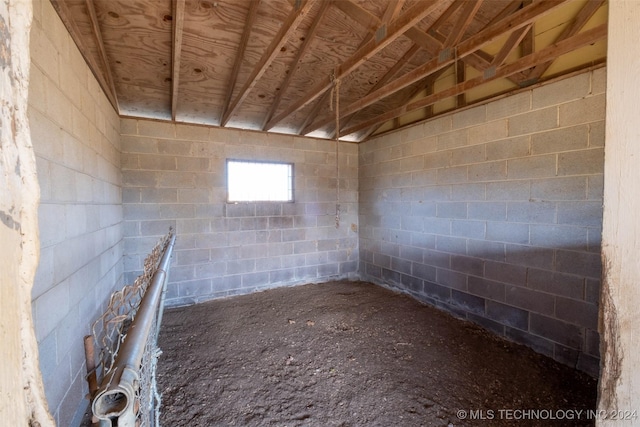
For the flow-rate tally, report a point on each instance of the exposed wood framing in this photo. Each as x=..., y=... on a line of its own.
x=293, y=20
x=514, y=40
x=461, y=75
x=248, y=26
x=579, y=21
x=177, y=28
x=97, y=34
x=467, y=14
x=547, y=54
x=65, y=15
x=391, y=32
x=301, y=52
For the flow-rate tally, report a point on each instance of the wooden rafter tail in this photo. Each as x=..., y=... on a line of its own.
x=311, y=33
x=549, y=53
x=385, y=35
x=288, y=28
x=176, y=44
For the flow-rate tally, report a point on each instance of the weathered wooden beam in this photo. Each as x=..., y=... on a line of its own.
x=176, y=47
x=288, y=28
x=249, y=20
x=546, y=54
x=385, y=35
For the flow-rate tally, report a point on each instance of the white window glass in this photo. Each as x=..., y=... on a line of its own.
x=249, y=181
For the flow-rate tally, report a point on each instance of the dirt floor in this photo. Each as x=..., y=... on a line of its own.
x=353, y=354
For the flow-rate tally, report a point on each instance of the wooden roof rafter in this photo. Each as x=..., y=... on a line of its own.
x=391, y=12
x=301, y=52
x=520, y=19
x=244, y=41
x=385, y=35
x=286, y=31
x=64, y=13
x=468, y=12
x=549, y=53
x=176, y=42
x=583, y=16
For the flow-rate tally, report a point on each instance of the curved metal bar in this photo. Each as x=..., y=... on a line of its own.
x=116, y=396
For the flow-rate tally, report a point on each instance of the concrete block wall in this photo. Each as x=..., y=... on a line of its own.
x=75, y=134
x=494, y=214
x=174, y=175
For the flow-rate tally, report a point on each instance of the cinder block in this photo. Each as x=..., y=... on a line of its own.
x=506, y=107
x=437, y=160
x=586, y=264
x=571, y=188
x=489, y=171
x=470, y=229
x=468, y=192
x=559, y=236
x=486, y=288
x=156, y=129
x=424, y=272
x=579, y=313
x=455, y=245
x=595, y=187
x=488, y=324
x=486, y=250
x=492, y=211
x=508, y=232
x=437, y=258
x=596, y=134
x=193, y=164
x=584, y=162
x=590, y=109
x=506, y=273
x=576, y=87
x=413, y=284
x=156, y=228
x=437, y=193
x=128, y=126
x=195, y=256
x=423, y=209
x=487, y=132
x=556, y=283
x=508, y=190
x=452, y=210
x=507, y=315
x=543, y=166
x=177, y=211
x=556, y=330
x=531, y=212
x=566, y=139
x=451, y=279
x=467, y=155
x=467, y=265
x=580, y=213
x=412, y=223
x=457, y=138
x=133, y=144
x=158, y=195
x=534, y=121
x=436, y=291
x=530, y=256
x=466, y=118
x=400, y=265
x=530, y=300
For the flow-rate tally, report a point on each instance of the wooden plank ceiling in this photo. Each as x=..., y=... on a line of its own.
x=309, y=67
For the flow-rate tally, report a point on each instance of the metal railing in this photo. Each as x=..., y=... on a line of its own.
x=127, y=395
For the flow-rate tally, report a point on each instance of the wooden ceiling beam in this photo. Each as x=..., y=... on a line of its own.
x=250, y=19
x=520, y=19
x=467, y=14
x=512, y=42
x=176, y=47
x=391, y=12
x=583, y=16
x=445, y=16
x=385, y=35
x=65, y=15
x=544, y=55
x=288, y=28
x=299, y=55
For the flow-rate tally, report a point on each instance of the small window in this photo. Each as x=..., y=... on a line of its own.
x=249, y=181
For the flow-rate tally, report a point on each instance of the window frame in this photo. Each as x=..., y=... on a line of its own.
x=270, y=162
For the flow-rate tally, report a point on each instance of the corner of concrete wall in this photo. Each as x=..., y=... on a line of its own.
x=75, y=133
x=174, y=176
x=495, y=215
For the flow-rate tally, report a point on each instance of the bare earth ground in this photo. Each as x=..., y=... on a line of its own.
x=352, y=354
